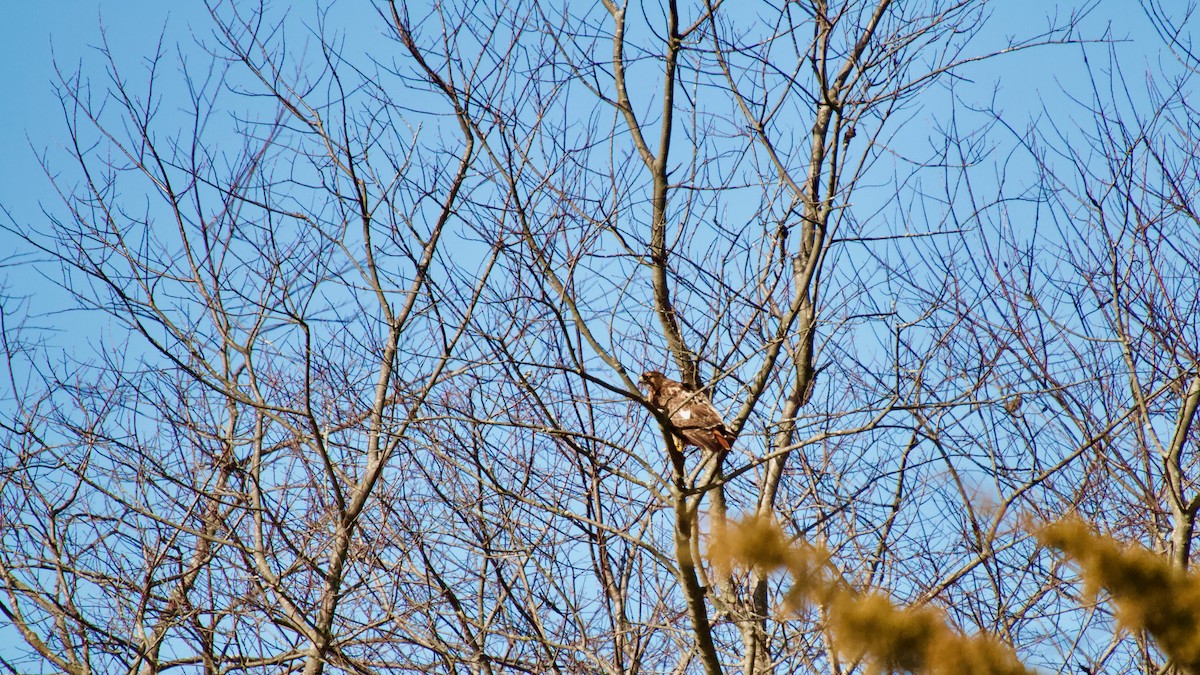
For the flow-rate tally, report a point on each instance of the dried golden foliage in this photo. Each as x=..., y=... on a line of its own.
x=863, y=625
x=1149, y=592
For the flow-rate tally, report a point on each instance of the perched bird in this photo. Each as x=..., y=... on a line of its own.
x=693, y=418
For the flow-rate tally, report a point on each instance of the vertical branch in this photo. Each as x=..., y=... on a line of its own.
x=1183, y=510
x=686, y=530
x=656, y=163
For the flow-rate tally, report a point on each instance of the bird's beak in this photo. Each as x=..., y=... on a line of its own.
x=641, y=382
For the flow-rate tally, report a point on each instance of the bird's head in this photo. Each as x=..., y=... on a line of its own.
x=651, y=380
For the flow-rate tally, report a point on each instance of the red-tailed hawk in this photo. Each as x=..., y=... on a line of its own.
x=693, y=418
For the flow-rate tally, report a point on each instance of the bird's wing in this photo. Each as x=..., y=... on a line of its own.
x=693, y=410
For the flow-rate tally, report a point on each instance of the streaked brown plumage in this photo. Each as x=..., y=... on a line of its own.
x=694, y=419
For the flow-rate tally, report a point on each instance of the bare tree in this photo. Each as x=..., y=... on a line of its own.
x=363, y=395
x=1121, y=303
x=688, y=183
x=198, y=494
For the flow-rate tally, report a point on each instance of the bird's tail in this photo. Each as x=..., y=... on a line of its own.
x=722, y=439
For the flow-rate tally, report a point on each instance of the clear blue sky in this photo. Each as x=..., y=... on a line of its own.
x=33, y=35
x=36, y=35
